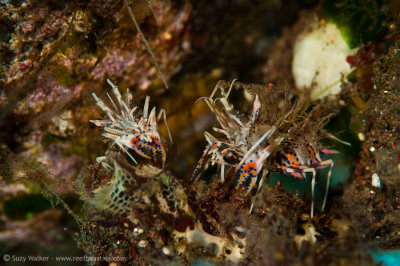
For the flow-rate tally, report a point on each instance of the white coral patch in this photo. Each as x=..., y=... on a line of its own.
x=375, y=181
x=319, y=60
x=309, y=235
x=231, y=251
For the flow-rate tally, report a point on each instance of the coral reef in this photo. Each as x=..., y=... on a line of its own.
x=56, y=53
x=120, y=192
x=151, y=214
x=379, y=217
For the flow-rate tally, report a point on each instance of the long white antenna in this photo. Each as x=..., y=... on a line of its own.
x=146, y=44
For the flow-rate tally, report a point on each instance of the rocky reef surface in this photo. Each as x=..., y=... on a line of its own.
x=58, y=199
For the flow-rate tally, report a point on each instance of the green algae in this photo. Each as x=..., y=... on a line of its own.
x=25, y=207
x=359, y=21
x=64, y=76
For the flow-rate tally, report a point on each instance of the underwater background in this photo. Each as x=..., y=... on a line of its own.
x=327, y=77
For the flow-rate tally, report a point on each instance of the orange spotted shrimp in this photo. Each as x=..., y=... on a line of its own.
x=255, y=149
x=238, y=143
x=132, y=131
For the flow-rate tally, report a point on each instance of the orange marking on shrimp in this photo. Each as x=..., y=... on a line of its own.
x=249, y=166
x=134, y=141
x=326, y=151
x=311, y=154
x=292, y=159
x=297, y=175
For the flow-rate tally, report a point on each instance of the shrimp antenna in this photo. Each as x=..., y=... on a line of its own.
x=146, y=43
